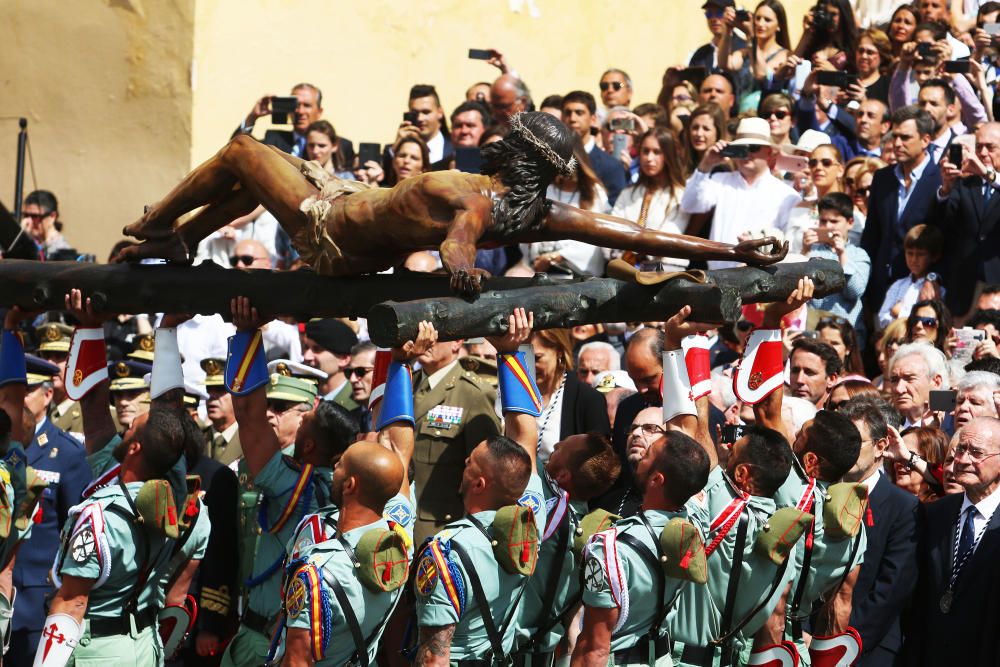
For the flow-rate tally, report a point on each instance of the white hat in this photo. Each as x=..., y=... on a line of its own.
x=295, y=369
x=809, y=141
x=753, y=132
x=606, y=381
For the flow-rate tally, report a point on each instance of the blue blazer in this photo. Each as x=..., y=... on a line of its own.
x=61, y=459
x=884, y=230
x=967, y=635
x=888, y=574
x=610, y=171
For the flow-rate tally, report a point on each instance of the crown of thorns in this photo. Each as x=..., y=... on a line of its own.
x=564, y=167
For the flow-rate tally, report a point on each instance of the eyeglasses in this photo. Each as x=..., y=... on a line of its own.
x=281, y=407
x=780, y=114
x=826, y=162
x=358, y=372
x=862, y=192
x=682, y=98
x=242, y=259
x=37, y=216
x=714, y=13
x=927, y=322
x=616, y=85
x=976, y=455
x=648, y=429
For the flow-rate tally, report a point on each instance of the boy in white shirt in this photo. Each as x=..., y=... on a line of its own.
x=922, y=246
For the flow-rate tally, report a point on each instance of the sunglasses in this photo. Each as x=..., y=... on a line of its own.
x=714, y=13
x=279, y=407
x=826, y=162
x=927, y=322
x=862, y=192
x=36, y=216
x=831, y=319
x=779, y=114
x=616, y=85
x=358, y=372
x=241, y=259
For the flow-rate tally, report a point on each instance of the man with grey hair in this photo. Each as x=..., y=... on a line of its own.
x=978, y=393
x=508, y=96
x=594, y=358
x=915, y=370
x=954, y=609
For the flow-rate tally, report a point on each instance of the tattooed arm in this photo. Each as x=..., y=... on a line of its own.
x=435, y=646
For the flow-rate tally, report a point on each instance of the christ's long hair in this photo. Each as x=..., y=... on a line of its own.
x=525, y=170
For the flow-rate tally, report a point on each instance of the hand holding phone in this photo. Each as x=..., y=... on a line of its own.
x=955, y=154
x=410, y=117
x=480, y=54
x=736, y=151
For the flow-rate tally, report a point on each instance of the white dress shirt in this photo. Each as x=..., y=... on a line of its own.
x=739, y=206
x=664, y=214
x=435, y=148
x=980, y=519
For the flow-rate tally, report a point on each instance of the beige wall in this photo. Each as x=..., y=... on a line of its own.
x=123, y=96
x=105, y=88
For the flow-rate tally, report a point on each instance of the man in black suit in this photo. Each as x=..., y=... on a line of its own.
x=969, y=207
x=578, y=110
x=957, y=607
x=902, y=195
x=308, y=110
x=889, y=570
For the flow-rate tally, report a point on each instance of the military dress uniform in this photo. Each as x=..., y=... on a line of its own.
x=271, y=505
x=54, y=341
x=223, y=446
x=59, y=460
x=708, y=626
x=446, y=592
x=823, y=560
x=452, y=417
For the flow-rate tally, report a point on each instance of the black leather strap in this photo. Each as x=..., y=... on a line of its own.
x=496, y=640
x=654, y=565
x=360, y=647
x=735, y=571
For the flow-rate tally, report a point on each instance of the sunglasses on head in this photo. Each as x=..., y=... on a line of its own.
x=241, y=259
x=826, y=162
x=779, y=114
x=927, y=322
x=617, y=85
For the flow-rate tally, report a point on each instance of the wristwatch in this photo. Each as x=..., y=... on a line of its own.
x=991, y=175
x=910, y=465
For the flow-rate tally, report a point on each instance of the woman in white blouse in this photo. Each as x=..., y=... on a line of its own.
x=583, y=190
x=655, y=199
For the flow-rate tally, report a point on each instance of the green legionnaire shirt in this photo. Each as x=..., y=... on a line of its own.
x=290, y=490
x=102, y=541
x=830, y=560
x=311, y=603
x=561, y=515
x=616, y=576
x=696, y=619
x=106, y=468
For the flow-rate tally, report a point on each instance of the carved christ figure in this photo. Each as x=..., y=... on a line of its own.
x=347, y=228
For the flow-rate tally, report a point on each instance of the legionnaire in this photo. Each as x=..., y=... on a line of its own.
x=223, y=435
x=826, y=448
x=580, y=468
x=748, y=543
x=455, y=412
x=60, y=461
x=114, y=550
x=129, y=390
x=470, y=577
x=633, y=573
x=291, y=485
x=54, y=339
x=326, y=345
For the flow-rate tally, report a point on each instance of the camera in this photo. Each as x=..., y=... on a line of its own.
x=822, y=20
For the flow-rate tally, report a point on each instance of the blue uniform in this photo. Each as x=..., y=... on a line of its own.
x=61, y=460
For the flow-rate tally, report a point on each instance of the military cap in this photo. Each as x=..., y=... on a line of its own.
x=39, y=370
x=54, y=337
x=129, y=375
x=215, y=369
x=144, y=345
x=288, y=388
x=332, y=334
x=610, y=380
x=295, y=369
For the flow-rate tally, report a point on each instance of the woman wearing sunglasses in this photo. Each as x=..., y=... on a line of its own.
x=776, y=109
x=929, y=322
x=826, y=170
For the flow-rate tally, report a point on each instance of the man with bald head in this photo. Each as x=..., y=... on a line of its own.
x=364, y=479
x=966, y=209
x=718, y=89
x=508, y=96
x=955, y=610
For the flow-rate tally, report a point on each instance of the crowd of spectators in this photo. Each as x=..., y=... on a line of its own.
x=872, y=142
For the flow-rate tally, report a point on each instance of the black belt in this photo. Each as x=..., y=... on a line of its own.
x=539, y=659
x=257, y=622
x=122, y=625
x=697, y=655
x=640, y=652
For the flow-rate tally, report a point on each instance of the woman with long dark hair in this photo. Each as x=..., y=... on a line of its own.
x=929, y=322
x=769, y=46
x=902, y=27
x=829, y=34
x=654, y=201
x=838, y=333
x=706, y=126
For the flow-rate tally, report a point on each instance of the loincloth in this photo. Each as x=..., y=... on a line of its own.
x=313, y=242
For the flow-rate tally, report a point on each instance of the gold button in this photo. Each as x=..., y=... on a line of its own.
x=258, y=530
x=447, y=517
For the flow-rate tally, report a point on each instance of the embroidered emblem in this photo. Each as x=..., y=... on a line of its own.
x=83, y=545
x=756, y=379
x=426, y=576
x=295, y=599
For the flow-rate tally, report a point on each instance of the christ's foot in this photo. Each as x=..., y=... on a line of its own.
x=171, y=249
x=149, y=227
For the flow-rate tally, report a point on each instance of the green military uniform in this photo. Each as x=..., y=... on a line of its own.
x=223, y=446
x=344, y=398
x=332, y=562
x=452, y=418
x=617, y=575
x=830, y=559
x=286, y=492
x=698, y=617
x=54, y=342
x=555, y=585
x=68, y=416
x=440, y=602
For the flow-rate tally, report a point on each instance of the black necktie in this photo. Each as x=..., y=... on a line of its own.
x=968, y=536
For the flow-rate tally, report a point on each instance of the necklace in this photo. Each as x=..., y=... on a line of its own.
x=547, y=412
